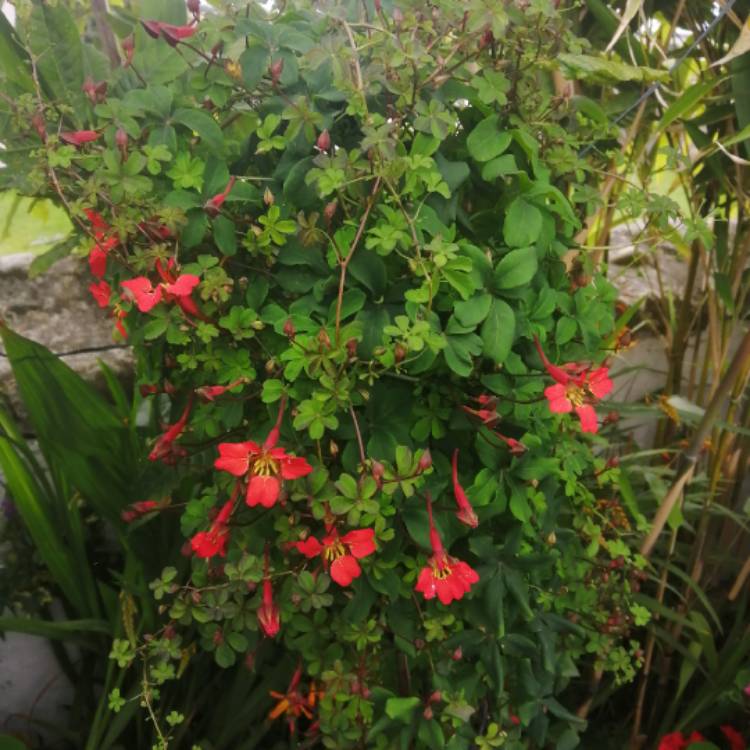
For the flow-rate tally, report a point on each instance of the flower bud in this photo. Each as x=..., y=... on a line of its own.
x=289, y=330
x=399, y=352
x=128, y=47
x=377, y=470
x=351, y=348
x=551, y=538
x=194, y=6
x=427, y=713
x=378, y=6
x=334, y=448
x=324, y=141
x=324, y=339
x=38, y=122
x=268, y=197
x=270, y=366
x=486, y=39
x=330, y=211
x=233, y=69
x=425, y=461
x=121, y=141
x=457, y=655
x=419, y=644
x=398, y=17
x=275, y=69
x=218, y=637
x=435, y=697
x=613, y=463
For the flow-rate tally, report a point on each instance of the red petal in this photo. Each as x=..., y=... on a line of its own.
x=587, y=415
x=310, y=547
x=140, y=289
x=734, y=738
x=361, y=542
x=345, y=569
x=599, y=383
x=183, y=285
x=97, y=262
x=294, y=468
x=426, y=582
x=101, y=292
x=263, y=490
x=234, y=458
x=559, y=403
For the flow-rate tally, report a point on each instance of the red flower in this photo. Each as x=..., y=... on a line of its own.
x=171, y=33
x=213, y=205
x=734, y=738
x=101, y=293
x=105, y=241
x=677, y=741
x=136, y=510
x=147, y=296
x=268, y=612
x=164, y=449
x=211, y=392
x=516, y=447
x=340, y=553
x=96, y=91
x=214, y=541
x=265, y=466
x=293, y=703
x=578, y=388
x=78, y=137
x=487, y=414
x=465, y=512
x=444, y=575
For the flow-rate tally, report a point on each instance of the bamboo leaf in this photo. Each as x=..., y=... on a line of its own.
x=631, y=9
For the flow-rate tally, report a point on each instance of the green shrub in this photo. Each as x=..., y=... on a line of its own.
x=339, y=228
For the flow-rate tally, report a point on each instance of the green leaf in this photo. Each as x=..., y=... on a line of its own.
x=516, y=268
x=601, y=70
x=225, y=235
x=254, y=62
x=11, y=743
x=76, y=428
x=523, y=224
x=473, y=311
x=204, y=125
x=401, y=709
x=498, y=331
x=42, y=263
x=502, y=165
x=486, y=141
x=686, y=102
x=54, y=630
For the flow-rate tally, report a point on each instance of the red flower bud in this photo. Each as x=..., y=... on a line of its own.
x=96, y=92
x=458, y=654
x=324, y=141
x=128, y=47
x=425, y=461
x=435, y=697
x=289, y=330
x=378, y=6
x=38, y=122
x=121, y=140
x=324, y=339
x=613, y=462
x=330, y=211
x=427, y=713
x=377, y=470
x=194, y=6
x=486, y=38
x=399, y=352
x=275, y=69
x=268, y=197
x=351, y=348
x=398, y=17
x=218, y=637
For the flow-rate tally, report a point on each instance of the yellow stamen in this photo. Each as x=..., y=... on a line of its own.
x=333, y=551
x=575, y=394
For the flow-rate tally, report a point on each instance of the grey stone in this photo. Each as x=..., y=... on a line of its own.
x=57, y=311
